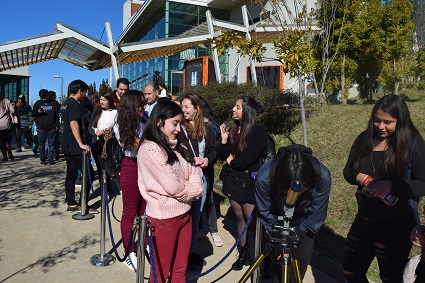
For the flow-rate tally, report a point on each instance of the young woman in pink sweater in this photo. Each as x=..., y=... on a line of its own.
x=169, y=182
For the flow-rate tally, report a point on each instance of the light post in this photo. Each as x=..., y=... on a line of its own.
x=59, y=77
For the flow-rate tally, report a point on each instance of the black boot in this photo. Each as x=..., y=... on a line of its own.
x=243, y=259
x=9, y=152
x=4, y=153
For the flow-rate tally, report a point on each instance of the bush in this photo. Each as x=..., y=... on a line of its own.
x=280, y=111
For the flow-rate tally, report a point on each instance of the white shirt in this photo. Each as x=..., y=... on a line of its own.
x=107, y=120
x=149, y=107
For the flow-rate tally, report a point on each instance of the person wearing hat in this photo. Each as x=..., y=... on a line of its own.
x=23, y=111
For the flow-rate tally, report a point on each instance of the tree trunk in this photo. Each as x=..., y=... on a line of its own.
x=343, y=92
x=301, y=89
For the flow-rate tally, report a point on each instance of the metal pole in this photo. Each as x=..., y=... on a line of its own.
x=257, y=248
x=141, y=249
x=102, y=259
x=84, y=215
x=62, y=96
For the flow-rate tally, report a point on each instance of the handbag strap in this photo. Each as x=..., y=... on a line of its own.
x=190, y=143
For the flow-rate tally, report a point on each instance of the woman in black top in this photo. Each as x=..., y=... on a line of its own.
x=197, y=137
x=385, y=162
x=243, y=147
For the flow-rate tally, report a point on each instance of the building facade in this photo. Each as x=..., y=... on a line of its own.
x=145, y=21
x=168, y=19
x=15, y=82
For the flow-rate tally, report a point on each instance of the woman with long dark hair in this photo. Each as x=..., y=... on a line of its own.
x=169, y=182
x=129, y=129
x=101, y=127
x=242, y=147
x=386, y=163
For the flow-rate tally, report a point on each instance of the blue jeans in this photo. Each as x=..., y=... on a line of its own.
x=48, y=136
x=196, y=210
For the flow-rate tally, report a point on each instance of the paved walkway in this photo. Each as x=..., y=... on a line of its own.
x=41, y=242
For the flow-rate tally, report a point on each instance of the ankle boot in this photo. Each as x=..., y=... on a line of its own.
x=4, y=153
x=243, y=259
x=9, y=151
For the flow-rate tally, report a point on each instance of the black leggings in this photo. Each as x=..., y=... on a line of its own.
x=388, y=240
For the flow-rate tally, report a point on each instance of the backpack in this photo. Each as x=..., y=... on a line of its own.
x=114, y=156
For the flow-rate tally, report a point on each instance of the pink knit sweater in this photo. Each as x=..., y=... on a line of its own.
x=168, y=189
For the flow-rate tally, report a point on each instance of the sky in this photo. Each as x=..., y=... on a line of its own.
x=29, y=18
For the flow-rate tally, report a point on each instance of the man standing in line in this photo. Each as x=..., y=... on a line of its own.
x=151, y=96
x=122, y=86
x=23, y=111
x=46, y=116
x=72, y=140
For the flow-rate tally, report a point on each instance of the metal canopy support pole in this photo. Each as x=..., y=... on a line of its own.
x=112, y=47
x=214, y=52
x=248, y=36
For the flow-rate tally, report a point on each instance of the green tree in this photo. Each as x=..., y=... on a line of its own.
x=397, y=45
x=92, y=87
x=105, y=87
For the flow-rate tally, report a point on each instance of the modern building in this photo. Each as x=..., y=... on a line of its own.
x=15, y=82
x=151, y=20
x=166, y=36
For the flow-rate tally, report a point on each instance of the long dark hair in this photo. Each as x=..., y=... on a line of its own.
x=198, y=131
x=398, y=144
x=290, y=167
x=208, y=113
x=162, y=111
x=129, y=118
x=244, y=127
x=108, y=96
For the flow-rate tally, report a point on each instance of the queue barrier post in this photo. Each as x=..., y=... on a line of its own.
x=83, y=215
x=141, y=252
x=102, y=259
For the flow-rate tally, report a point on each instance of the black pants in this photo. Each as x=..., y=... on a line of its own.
x=388, y=240
x=27, y=135
x=73, y=164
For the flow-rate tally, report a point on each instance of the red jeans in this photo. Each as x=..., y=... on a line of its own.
x=132, y=201
x=171, y=239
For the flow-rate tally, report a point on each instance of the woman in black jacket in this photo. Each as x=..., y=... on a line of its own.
x=386, y=163
x=197, y=137
x=242, y=147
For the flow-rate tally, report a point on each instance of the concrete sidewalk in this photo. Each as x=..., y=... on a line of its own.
x=41, y=242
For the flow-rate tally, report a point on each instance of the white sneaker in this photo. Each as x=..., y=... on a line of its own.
x=131, y=261
x=218, y=242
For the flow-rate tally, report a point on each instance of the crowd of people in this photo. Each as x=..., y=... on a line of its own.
x=167, y=172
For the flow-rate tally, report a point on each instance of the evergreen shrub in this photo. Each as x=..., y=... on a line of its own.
x=280, y=111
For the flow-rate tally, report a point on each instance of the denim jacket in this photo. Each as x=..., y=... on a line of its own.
x=311, y=206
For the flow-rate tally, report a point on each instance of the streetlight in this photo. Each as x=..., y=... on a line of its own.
x=59, y=77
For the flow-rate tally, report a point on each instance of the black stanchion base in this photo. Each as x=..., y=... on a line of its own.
x=102, y=260
x=78, y=216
